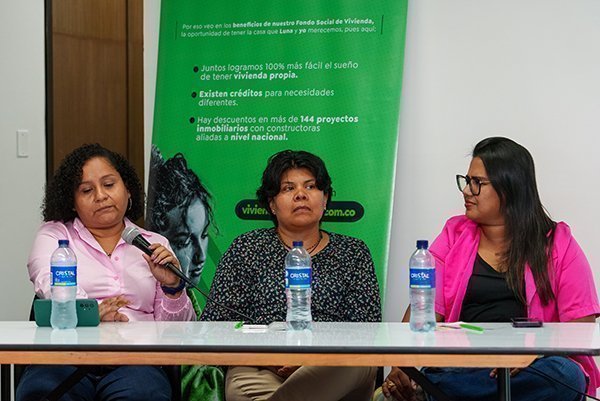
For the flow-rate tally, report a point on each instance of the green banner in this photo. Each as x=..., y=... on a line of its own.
x=240, y=80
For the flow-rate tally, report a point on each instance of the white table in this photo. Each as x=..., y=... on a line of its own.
x=329, y=344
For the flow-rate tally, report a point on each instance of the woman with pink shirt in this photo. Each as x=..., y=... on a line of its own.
x=506, y=258
x=94, y=195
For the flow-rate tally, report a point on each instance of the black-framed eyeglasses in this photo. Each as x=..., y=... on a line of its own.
x=474, y=183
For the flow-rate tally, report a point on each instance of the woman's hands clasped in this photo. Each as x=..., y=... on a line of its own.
x=399, y=386
x=283, y=371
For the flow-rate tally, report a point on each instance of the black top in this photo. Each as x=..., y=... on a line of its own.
x=250, y=278
x=488, y=298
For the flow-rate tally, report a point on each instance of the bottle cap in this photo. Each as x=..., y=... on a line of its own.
x=297, y=244
x=422, y=244
x=63, y=242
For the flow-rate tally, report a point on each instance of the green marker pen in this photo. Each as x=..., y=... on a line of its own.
x=471, y=327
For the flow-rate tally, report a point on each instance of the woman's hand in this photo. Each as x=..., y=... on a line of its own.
x=286, y=371
x=283, y=371
x=109, y=309
x=399, y=386
x=161, y=256
x=513, y=372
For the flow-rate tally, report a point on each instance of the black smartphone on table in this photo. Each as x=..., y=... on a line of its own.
x=526, y=322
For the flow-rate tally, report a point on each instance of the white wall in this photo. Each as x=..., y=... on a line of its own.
x=151, y=27
x=528, y=70
x=22, y=106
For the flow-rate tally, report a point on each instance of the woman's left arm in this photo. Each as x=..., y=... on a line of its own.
x=575, y=291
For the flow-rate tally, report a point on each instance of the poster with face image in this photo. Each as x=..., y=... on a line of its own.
x=239, y=81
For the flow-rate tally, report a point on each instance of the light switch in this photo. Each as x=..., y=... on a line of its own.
x=22, y=143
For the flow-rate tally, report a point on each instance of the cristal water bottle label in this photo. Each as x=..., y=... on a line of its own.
x=298, y=278
x=422, y=278
x=64, y=276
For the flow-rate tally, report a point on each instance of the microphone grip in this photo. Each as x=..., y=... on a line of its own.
x=143, y=245
x=178, y=273
x=140, y=243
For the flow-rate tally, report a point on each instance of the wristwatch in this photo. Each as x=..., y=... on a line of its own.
x=173, y=290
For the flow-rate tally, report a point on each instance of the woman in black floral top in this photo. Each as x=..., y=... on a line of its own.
x=295, y=189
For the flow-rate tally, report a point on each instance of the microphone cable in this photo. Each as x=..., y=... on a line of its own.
x=546, y=376
x=133, y=236
x=209, y=298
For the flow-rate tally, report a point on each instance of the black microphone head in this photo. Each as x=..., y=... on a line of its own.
x=129, y=234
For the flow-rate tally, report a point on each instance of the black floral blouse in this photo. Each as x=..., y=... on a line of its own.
x=250, y=278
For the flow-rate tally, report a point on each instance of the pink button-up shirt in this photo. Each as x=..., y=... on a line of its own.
x=99, y=276
x=571, y=280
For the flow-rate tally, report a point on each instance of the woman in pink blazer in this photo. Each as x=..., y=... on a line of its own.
x=506, y=258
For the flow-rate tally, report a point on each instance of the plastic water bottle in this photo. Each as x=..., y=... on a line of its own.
x=298, y=278
x=422, y=289
x=63, y=268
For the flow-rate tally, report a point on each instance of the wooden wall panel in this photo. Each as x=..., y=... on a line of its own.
x=96, y=75
x=135, y=82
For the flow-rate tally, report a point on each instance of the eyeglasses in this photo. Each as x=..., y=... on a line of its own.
x=474, y=183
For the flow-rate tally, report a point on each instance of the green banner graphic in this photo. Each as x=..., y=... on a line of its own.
x=241, y=80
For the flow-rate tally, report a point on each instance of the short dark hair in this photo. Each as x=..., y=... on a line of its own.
x=511, y=170
x=172, y=184
x=59, y=194
x=281, y=162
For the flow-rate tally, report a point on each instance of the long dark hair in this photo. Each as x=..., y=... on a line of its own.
x=173, y=184
x=529, y=229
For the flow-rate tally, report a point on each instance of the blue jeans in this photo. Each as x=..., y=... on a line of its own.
x=466, y=384
x=119, y=384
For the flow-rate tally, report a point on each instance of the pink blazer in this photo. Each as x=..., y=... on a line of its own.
x=572, y=281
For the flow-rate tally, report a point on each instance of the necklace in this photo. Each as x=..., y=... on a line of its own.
x=310, y=249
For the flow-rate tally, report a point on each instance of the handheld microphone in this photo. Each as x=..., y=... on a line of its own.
x=132, y=236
